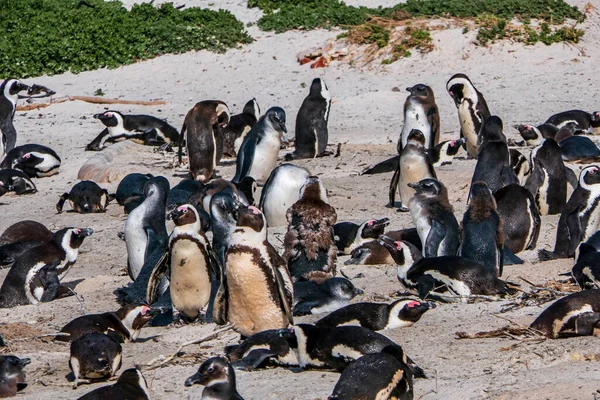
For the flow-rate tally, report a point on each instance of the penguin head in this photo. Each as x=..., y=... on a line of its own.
x=135, y=316
x=214, y=371
x=420, y=90
x=252, y=108
x=133, y=377
x=342, y=288
x=5, y=186
x=416, y=138
x=459, y=86
x=314, y=189
x=275, y=116
x=589, y=178
x=71, y=238
x=26, y=159
x=595, y=120
x=222, y=209
x=454, y=146
x=110, y=118
x=481, y=200
x=184, y=215
x=405, y=312
x=12, y=87
x=11, y=369
x=250, y=217
x=395, y=248
x=491, y=130
x=156, y=186
x=248, y=187
x=565, y=131
x=428, y=187
x=373, y=228
x=222, y=114
x=318, y=88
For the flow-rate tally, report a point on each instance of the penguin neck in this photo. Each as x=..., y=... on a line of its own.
x=10, y=97
x=220, y=390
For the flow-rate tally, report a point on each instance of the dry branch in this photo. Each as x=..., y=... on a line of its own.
x=89, y=99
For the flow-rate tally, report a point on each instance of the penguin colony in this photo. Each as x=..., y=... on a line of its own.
x=218, y=263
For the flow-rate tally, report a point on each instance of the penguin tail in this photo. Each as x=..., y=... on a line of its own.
x=546, y=255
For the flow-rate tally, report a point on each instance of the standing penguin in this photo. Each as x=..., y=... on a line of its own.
x=547, y=181
x=237, y=128
x=472, y=110
x=281, y=191
x=256, y=290
x=259, y=150
x=493, y=163
x=94, y=356
x=482, y=233
x=421, y=113
x=579, y=217
x=9, y=93
x=12, y=377
x=218, y=377
x=311, y=123
x=414, y=165
x=432, y=215
x=34, y=277
x=145, y=228
x=204, y=141
x=520, y=217
x=308, y=243
x=192, y=267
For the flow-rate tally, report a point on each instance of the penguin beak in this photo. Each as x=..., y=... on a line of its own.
x=409, y=89
x=86, y=232
x=286, y=333
x=358, y=291
x=283, y=127
x=25, y=361
x=173, y=215
x=100, y=116
x=413, y=185
x=196, y=378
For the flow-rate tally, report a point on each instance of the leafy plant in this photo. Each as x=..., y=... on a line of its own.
x=54, y=36
x=99, y=92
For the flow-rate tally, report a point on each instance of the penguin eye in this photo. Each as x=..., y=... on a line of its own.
x=210, y=370
x=108, y=114
x=185, y=210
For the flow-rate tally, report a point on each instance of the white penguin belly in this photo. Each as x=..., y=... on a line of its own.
x=468, y=129
x=592, y=225
x=190, y=282
x=136, y=241
x=542, y=195
x=48, y=166
x=415, y=118
x=283, y=193
x=265, y=157
x=421, y=222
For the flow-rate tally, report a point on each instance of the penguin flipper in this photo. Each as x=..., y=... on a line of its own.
x=94, y=145
x=304, y=307
x=245, y=158
x=9, y=134
x=159, y=272
x=509, y=258
x=574, y=227
x=284, y=286
x=220, y=301
x=534, y=181
x=437, y=233
x=394, y=185
x=256, y=358
x=180, y=144
x=385, y=166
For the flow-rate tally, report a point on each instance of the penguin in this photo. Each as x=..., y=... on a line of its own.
x=533, y=135
x=237, y=128
x=218, y=377
x=205, y=194
x=520, y=165
x=472, y=110
x=311, y=123
x=420, y=113
x=131, y=385
x=185, y=192
x=482, y=230
x=457, y=275
x=493, y=163
x=383, y=375
x=322, y=294
x=94, y=356
x=12, y=377
x=192, y=267
x=202, y=133
x=222, y=221
x=9, y=93
x=123, y=325
x=130, y=191
x=348, y=235
x=13, y=180
x=577, y=148
x=374, y=253
x=521, y=219
x=577, y=314
x=281, y=191
x=20, y=237
x=584, y=121
x=320, y=347
x=547, y=181
x=142, y=129
x=85, y=197
x=586, y=270
x=433, y=216
x=261, y=349
x=35, y=160
x=258, y=154
x=145, y=228
x=35, y=275
x=579, y=217
x=413, y=166
x=256, y=290
x=401, y=313
x=308, y=243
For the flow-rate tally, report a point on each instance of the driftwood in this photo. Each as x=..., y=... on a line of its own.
x=89, y=99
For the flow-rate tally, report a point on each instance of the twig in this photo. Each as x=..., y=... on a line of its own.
x=37, y=337
x=152, y=364
x=468, y=297
x=89, y=99
x=80, y=300
x=534, y=286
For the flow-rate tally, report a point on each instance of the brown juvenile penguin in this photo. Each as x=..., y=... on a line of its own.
x=256, y=290
x=309, y=242
x=12, y=377
x=204, y=143
x=421, y=113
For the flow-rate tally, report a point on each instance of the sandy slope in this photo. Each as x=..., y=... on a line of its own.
x=521, y=84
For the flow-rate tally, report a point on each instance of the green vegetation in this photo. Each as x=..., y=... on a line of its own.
x=54, y=36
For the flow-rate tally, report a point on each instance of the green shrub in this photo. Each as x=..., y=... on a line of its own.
x=54, y=36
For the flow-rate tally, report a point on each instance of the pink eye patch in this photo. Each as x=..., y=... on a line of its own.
x=254, y=210
x=398, y=245
x=413, y=304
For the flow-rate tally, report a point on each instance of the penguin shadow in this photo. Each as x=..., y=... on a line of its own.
x=227, y=162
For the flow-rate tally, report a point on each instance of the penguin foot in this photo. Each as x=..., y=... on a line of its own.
x=402, y=209
x=545, y=255
x=121, y=235
x=164, y=148
x=326, y=153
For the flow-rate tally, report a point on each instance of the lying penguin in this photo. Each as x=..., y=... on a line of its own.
x=131, y=385
x=20, y=237
x=85, y=197
x=35, y=160
x=348, y=235
x=13, y=180
x=323, y=294
x=94, y=356
x=261, y=349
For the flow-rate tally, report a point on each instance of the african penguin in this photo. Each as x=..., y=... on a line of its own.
x=261, y=349
x=94, y=356
x=308, y=243
x=256, y=290
x=259, y=150
x=420, y=113
x=433, y=216
x=444, y=152
x=584, y=121
x=401, y=313
x=311, y=123
x=35, y=275
x=202, y=133
x=9, y=93
x=577, y=314
x=547, y=181
x=218, y=377
x=348, y=235
x=586, y=270
x=413, y=166
x=482, y=236
x=85, y=197
x=383, y=375
x=12, y=377
x=35, y=160
x=578, y=148
x=472, y=110
x=579, y=218
x=19, y=238
x=374, y=253
x=130, y=191
x=223, y=221
x=131, y=385
x=281, y=191
x=322, y=294
x=13, y=180
x=237, y=128
x=520, y=165
x=520, y=216
x=142, y=129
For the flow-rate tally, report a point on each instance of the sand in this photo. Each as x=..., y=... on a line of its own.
x=522, y=84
